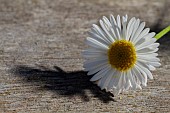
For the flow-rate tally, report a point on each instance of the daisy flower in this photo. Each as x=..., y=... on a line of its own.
x=121, y=55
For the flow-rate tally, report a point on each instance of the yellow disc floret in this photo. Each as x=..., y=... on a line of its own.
x=122, y=55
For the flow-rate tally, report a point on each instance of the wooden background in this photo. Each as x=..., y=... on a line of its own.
x=41, y=64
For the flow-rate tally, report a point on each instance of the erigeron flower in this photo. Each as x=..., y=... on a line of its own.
x=121, y=55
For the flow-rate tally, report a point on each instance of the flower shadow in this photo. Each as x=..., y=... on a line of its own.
x=63, y=83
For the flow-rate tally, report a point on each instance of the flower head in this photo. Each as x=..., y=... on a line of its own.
x=121, y=54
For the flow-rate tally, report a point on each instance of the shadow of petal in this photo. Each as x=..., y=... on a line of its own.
x=63, y=83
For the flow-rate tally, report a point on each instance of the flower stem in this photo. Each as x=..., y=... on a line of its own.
x=163, y=32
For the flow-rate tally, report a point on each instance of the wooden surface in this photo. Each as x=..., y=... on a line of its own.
x=41, y=64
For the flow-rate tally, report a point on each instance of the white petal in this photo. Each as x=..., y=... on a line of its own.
x=146, y=38
x=143, y=33
x=139, y=30
x=94, y=62
x=149, y=74
x=149, y=54
x=100, y=74
x=139, y=75
x=127, y=85
x=156, y=64
x=121, y=83
x=96, y=66
x=105, y=19
x=112, y=20
x=124, y=22
x=116, y=78
x=109, y=28
x=150, y=35
x=115, y=29
x=151, y=46
x=112, y=81
x=144, y=75
x=147, y=65
x=109, y=79
x=148, y=58
x=94, y=43
x=118, y=33
x=131, y=78
x=97, y=69
x=116, y=92
x=87, y=54
x=106, y=31
x=98, y=38
x=94, y=50
x=136, y=25
x=146, y=50
x=118, y=23
x=106, y=78
x=127, y=81
x=152, y=68
x=146, y=43
x=100, y=31
x=130, y=28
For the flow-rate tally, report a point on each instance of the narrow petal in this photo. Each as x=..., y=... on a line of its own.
x=116, y=79
x=153, y=63
x=95, y=66
x=124, y=22
x=94, y=50
x=148, y=54
x=112, y=20
x=109, y=79
x=144, y=75
x=106, y=78
x=147, y=50
x=100, y=31
x=118, y=23
x=146, y=43
x=156, y=64
x=97, y=69
x=149, y=74
x=112, y=81
x=98, y=38
x=146, y=38
x=139, y=75
x=87, y=54
x=120, y=83
x=109, y=27
x=136, y=25
x=93, y=62
x=132, y=80
x=148, y=58
x=96, y=44
x=130, y=28
x=115, y=29
x=109, y=37
x=147, y=65
x=100, y=74
x=139, y=30
x=143, y=33
x=105, y=19
x=151, y=46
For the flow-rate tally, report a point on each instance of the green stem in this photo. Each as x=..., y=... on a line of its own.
x=163, y=32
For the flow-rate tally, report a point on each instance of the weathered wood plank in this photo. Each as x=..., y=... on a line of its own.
x=40, y=56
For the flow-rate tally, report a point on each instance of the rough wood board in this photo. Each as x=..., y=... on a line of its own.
x=41, y=64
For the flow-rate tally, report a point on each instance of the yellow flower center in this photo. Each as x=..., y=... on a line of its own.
x=122, y=55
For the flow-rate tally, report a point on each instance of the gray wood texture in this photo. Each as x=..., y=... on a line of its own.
x=40, y=57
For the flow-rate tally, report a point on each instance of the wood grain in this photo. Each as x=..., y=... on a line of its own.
x=40, y=56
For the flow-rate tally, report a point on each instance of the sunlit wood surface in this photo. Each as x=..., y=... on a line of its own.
x=40, y=57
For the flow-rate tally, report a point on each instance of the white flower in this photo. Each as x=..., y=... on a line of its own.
x=121, y=54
